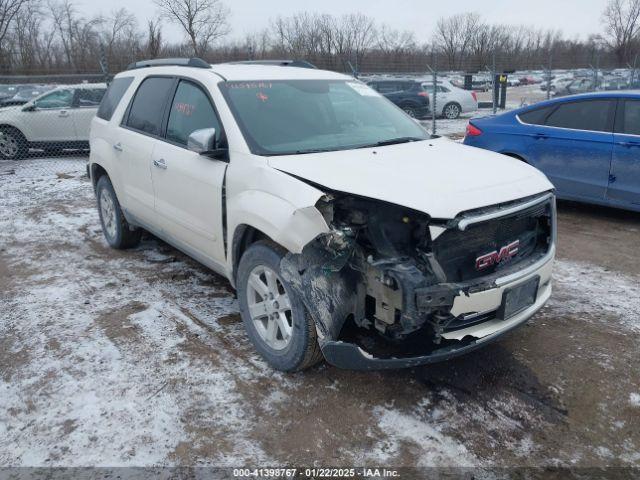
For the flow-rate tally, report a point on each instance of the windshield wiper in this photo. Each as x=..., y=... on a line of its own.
x=393, y=141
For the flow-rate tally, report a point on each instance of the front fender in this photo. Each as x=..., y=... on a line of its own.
x=280, y=220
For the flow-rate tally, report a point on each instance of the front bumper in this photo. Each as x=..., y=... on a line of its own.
x=464, y=340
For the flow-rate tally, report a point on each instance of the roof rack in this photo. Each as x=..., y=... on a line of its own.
x=281, y=63
x=176, y=62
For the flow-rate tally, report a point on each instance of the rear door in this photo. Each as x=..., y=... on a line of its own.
x=574, y=147
x=141, y=129
x=85, y=106
x=624, y=183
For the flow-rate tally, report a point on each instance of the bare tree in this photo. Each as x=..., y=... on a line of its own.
x=454, y=36
x=203, y=21
x=622, y=24
x=9, y=9
x=154, y=39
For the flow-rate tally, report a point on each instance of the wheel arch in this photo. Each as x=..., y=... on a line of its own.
x=243, y=237
x=97, y=171
x=452, y=102
x=517, y=156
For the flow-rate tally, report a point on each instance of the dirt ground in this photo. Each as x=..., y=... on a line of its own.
x=139, y=357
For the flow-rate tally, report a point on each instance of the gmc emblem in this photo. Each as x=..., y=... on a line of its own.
x=506, y=253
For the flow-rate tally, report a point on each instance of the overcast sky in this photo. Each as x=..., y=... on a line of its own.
x=576, y=18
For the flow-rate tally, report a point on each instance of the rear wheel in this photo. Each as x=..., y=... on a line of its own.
x=13, y=145
x=274, y=316
x=411, y=111
x=115, y=227
x=451, y=111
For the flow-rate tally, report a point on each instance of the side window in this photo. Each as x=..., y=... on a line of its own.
x=57, y=99
x=148, y=104
x=592, y=115
x=89, y=97
x=388, y=87
x=112, y=97
x=536, y=116
x=631, y=122
x=191, y=110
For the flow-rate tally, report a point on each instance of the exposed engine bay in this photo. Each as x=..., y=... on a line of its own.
x=385, y=277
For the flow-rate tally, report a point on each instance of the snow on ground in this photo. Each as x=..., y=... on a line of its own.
x=138, y=358
x=585, y=288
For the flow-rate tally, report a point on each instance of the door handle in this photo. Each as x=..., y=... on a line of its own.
x=540, y=136
x=63, y=113
x=117, y=147
x=160, y=164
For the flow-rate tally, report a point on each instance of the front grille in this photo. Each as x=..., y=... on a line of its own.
x=457, y=250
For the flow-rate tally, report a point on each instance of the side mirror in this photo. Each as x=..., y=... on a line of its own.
x=202, y=141
x=29, y=108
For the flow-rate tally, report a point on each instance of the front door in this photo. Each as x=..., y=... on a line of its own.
x=574, y=147
x=51, y=119
x=187, y=185
x=624, y=183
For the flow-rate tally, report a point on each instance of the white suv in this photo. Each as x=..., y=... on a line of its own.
x=346, y=230
x=57, y=120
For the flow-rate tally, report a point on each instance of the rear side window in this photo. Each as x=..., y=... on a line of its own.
x=631, y=122
x=148, y=104
x=113, y=96
x=90, y=97
x=389, y=87
x=537, y=116
x=191, y=110
x=592, y=115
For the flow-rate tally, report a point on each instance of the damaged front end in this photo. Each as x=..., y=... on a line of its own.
x=391, y=287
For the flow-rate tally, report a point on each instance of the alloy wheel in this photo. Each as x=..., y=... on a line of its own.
x=269, y=307
x=108, y=211
x=452, y=112
x=8, y=145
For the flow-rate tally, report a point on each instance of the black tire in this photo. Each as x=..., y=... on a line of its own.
x=411, y=111
x=13, y=145
x=303, y=350
x=118, y=234
x=451, y=111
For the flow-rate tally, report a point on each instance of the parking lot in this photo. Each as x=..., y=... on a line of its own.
x=139, y=357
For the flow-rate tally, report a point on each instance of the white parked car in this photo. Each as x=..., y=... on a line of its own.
x=451, y=100
x=53, y=121
x=347, y=231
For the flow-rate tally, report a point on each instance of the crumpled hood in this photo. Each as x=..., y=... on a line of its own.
x=438, y=177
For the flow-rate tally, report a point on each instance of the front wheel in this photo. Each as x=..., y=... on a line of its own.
x=115, y=227
x=275, y=318
x=13, y=145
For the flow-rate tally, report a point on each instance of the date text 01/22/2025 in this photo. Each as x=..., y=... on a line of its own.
x=315, y=472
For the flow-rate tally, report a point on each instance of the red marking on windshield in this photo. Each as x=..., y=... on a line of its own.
x=262, y=96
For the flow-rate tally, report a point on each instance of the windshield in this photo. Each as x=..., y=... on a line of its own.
x=304, y=116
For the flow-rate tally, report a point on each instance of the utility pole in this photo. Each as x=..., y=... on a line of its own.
x=549, y=76
x=493, y=83
x=104, y=63
x=435, y=100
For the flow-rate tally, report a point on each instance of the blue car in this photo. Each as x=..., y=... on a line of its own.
x=587, y=145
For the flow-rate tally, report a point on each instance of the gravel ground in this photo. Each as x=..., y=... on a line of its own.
x=139, y=358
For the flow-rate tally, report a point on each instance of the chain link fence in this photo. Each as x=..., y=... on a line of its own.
x=47, y=117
